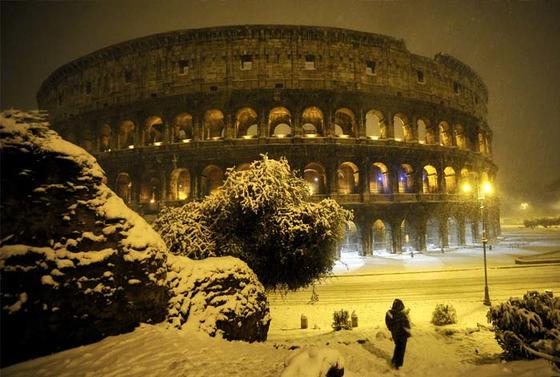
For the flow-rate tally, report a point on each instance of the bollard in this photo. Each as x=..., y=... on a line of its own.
x=303, y=321
x=354, y=319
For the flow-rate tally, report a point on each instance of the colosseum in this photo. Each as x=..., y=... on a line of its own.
x=400, y=139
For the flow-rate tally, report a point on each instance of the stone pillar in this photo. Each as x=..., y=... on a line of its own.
x=421, y=234
x=296, y=123
x=263, y=124
x=364, y=178
x=361, y=123
x=396, y=237
x=331, y=171
x=229, y=127
x=365, y=232
x=462, y=238
x=443, y=232
x=197, y=127
x=389, y=124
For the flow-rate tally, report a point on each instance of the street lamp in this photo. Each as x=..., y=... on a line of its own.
x=483, y=190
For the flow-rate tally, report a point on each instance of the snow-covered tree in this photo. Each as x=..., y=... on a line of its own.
x=263, y=216
x=528, y=327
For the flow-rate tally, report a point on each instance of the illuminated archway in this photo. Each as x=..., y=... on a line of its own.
x=381, y=236
x=314, y=175
x=433, y=235
x=180, y=184
x=347, y=178
x=352, y=241
x=344, y=123
x=212, y=179
x=153, y=130
x=402, y=128
x=375, y=125
x=214, y=126
x=450, y=180
x=183, y=128
x=408, y=234
x=452, y=232
x=312, y=121
x=406, y=179
x=126, y=134
x=124, y=187
x=246, y=123
x=429, y=180
x=445, y=134
x=460, y=138
x=150, y=187
x=280, y=122
x=379, y=178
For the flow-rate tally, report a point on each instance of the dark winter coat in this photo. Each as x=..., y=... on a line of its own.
x=397, y=321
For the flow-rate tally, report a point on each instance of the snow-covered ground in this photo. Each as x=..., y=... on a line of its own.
x=367, y=286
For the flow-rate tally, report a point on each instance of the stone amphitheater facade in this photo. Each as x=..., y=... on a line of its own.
x=390, y=134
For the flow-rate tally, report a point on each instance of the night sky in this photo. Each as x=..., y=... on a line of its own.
x=514, y=46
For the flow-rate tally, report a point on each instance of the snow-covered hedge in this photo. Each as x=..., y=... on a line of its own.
x=444, y=314
x=528, y=327
x=263, y=216
x=314, y=362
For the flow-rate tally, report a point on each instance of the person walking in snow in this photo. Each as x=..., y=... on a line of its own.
x=398, y=323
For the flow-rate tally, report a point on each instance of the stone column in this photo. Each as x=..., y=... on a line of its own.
x=443, y=232
x=396, y=237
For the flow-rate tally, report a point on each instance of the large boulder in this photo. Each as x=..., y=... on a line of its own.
x=220, y=296
x=76, y=263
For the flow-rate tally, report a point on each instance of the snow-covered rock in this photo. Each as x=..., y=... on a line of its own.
x=314, y=362
x=78, y=265
x=221, y=296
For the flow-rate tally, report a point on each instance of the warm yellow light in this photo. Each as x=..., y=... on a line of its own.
x=374, y=137
x=487, y=187
x=247, y=136
x=421, y=142
x=131, y=146
x=216, y=137
x=398, y=139
x=152, y=201
x=182, y=195
x=467, y=188
x=344, y=136
x=186, y=140
x=157, y=143
x=524, y=205
x=310, y=135
x=280, y=135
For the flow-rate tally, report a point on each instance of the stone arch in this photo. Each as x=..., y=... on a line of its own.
x=246, y=123
x=105, y=134
x=465, y=181
x=433, y=234
x=375, y=125
x=314, y=175
x=401, y=127
x=453, y=238
x=470, y=231
x=481, y=142
x=348, y=177
x=406, y=179
x=212, y=179
x=379, y=178
x=422, y=131
x=381, y=236
x=344, y=123
x=313, y=121
x=180, y=184
x=450, y=180
x=460, y=138
x=280, y=122
x=126, y=134
x=352, y=241
x=153, y=130
x=150, y=187
x=213, y=127
x=429, y=180
x=445, y=134
x=183, y=128
x=409, y=235
x=124, y=187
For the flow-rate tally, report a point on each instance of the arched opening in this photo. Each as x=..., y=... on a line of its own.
x=347, y=178
x=312, y=121
x=433, y=235
x=452, y=232
x=402, y=128
x=214, y=126
x=183, y=128
x=431, y=133
x=375, y=125
x=406, y=179
x=212, y=179
x=465, y=183
x=126, y=134
x=246, y=123
x=153, y=130
x=314, y=175
x=422, y=132
x=351, y=244
x=429, y=180
x=450, y=180
x=444, y=134
x=150, y=188
x=408, y=234
x=379, y=178
x=344, y=123
x=124, y=187
x=460, y=138
x=280, y=122
x=481, y=143
x=381, y=236
x=105, y=138
x=470, y=229
x=180, y=185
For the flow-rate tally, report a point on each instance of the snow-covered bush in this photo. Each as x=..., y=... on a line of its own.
x=528, y=327
x=263, y=216
x=314, y=362
x=444, y=314
x=341, y=320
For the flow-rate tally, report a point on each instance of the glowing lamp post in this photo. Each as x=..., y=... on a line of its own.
x=485, y=189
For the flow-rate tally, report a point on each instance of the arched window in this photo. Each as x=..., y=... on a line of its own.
x=312, y=122
x=381, y=236
x=402, y=128
x=126, y=134
x=180, y=185
x=422, y=131
x=314, y=175
x=444, y=134
x=466, y=184
x=433, y=236
x=347, y=178
x=450, y=180
x=452, y=231
x=460, y=138
x=183, y=128
x=150, y=187
x=105, y=138
x=212, y=179
x=344, y=123
x=153, y=130
x=429, y=180
x=246, y=123
x=280, y=122
x=406, y=179
x=124, y=187
x=375, y=125
x=214, y=127
x=379, y=178
x=408, y=234
x=351, y=243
